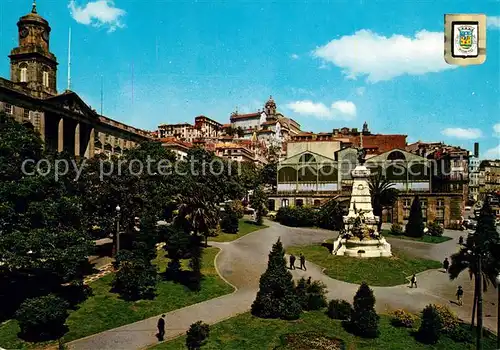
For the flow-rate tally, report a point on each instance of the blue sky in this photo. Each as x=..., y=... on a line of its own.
x=327, y=64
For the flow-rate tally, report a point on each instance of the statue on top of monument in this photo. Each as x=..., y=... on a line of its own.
x=361, y=155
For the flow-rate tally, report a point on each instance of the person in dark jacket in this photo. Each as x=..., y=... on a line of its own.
x=292, y=262
x=303, y=262
x=461, y=240
x=161, y=328
x=460, y=294
x=413, y=281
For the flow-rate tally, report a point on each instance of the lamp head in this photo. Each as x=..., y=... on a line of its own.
x=117, y=208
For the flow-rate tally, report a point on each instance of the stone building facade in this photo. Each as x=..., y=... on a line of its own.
x=65, y=122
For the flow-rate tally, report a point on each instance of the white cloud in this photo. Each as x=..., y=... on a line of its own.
x=462, y=133
x=294, y=56
x=496, y=129
x=97, y=14
x=383, y=58
x=492, y=153
x=493, y=22
x=360, y=91
x=342, y=110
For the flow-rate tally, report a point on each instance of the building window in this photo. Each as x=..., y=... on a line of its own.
x=8, y=108
x=24, y=74
x=27, y=114
x=423, y=205
x=406, y=208
x=285, y=203
x=440, y=210
x=299, y=203
x=45, y=79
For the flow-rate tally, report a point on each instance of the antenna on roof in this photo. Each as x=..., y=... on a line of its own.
x=102, y=94
x=69, y=59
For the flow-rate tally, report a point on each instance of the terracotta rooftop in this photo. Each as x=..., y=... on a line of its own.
x=245, y=116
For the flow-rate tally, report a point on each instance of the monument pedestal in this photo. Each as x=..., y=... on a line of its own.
x=361, y=238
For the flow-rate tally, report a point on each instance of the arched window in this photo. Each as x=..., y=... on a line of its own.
x=45, y=77
x=396, y=155
x=307, y=158
x=23, y=73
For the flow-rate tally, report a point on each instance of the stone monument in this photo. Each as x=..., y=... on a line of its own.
x=360, y=237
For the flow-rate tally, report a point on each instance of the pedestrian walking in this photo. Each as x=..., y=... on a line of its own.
x=302, y=262
x=413, y=281
x=292, y=262
x=460, y=294
x=161, y=328
x=446, y=264
x=461, y=240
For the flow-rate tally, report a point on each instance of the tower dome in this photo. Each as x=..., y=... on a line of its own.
x=270, y=107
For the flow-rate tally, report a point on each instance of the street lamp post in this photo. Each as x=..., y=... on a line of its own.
x=498, y=311
x=117, y=228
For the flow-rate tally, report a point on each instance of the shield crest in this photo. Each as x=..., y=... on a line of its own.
x=465, y=38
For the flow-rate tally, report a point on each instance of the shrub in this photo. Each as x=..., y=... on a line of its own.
x=435, y=229
x=339, y=309
x=364, y=319
x=329, y=216
x=402, y=318
x=449, y=321
x=396, y=229
x=314, y=298
x=430, y=328
x=229, y=222
x=197, y=335
x=135, y=279
x=461, y=334
x=276, y=297
x=296, y=216
x=42, y=318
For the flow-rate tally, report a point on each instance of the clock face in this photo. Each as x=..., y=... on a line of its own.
x=360, y=187
x=45, y=35
x=23, y=32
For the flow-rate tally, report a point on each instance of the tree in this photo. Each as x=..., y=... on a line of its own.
x=229, y=222
x=430, y=328
x=276, y=297
x=480, y=256
x=258, y=203
x=44, y=243
x=42, y=318
x=268, y=174
x=330, y=216
x=383, y=194
x=415, y=226
x=364, y=319
x=177, y=246
x=197, y=335
x=136, y=277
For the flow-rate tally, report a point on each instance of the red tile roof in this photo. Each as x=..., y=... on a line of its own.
x=245, y=116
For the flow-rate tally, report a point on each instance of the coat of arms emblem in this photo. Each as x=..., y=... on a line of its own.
x=465, y=40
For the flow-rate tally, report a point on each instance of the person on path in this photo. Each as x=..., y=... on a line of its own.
x=302, y=262
x=461, y=240
x=161, y=328
x=292, y=262
x=446, y=264
x=460, y=294
x=413, y=281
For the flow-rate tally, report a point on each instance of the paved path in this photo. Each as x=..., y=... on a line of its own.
x=242, y=261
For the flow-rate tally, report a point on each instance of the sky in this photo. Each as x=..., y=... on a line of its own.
x=327, y=64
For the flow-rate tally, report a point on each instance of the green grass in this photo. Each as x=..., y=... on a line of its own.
x=105, y=310
x=425, y=239
x=374, y=271
x=252, y=333
x=245, y=227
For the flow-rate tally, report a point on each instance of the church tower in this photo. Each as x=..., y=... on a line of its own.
x=270, y=107
x=31, y=63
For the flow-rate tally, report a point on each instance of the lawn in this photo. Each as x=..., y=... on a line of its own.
x=245, y=227
x=425, y=239
x=105, y=310
x=249, y=333
x=374, y=271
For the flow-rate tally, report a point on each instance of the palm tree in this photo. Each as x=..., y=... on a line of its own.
x=480, y=256
x=201, y=214
x=383, y=194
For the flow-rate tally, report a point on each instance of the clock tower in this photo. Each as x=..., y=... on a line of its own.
x=31, y=63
